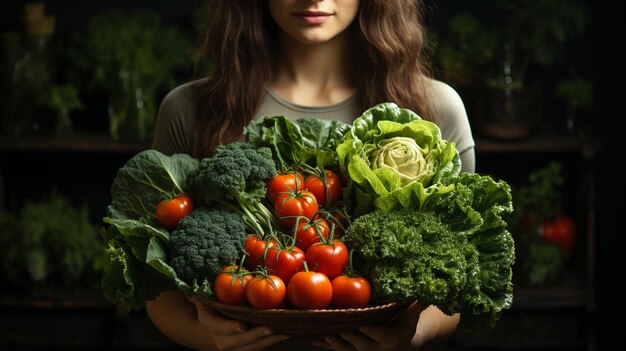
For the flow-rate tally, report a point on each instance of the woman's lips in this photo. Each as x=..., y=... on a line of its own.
x=313, y=17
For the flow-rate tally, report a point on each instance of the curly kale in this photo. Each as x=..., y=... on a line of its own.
x=204, y=242
x=455, y=252
x=410, y=254
x=236, y=176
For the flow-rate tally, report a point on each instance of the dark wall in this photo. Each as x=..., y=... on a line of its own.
x=608, y=121
x=73, y=13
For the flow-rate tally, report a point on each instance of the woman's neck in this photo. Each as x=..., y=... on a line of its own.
x=314, y=75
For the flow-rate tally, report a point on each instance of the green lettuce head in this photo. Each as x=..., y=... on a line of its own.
x=393, y=158
x=405, y=157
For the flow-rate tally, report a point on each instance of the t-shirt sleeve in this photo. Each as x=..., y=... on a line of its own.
x=454, y=123
x=173, y=132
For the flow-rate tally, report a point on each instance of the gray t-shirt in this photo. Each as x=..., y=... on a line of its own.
x=175, y=120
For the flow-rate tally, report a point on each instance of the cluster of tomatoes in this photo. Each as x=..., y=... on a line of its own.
x=308, y=269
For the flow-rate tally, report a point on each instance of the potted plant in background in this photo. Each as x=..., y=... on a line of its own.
x=576, y=93
x=545, y=233
x=52, y=260
x=498, y=62
x=130, y=56
x=61, y=99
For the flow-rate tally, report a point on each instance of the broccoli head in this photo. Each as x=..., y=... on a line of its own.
x=236, y=170
x=204, y=242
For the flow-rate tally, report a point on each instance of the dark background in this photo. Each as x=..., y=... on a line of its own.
x=598, y=55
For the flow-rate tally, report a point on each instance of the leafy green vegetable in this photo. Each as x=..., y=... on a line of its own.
x=307, y=140
x=394, y=159
x=138, y=266
x=145, y=179
x=144, y=258
x=455, y=252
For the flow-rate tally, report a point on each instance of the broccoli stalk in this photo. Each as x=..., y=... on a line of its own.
x=235, y=177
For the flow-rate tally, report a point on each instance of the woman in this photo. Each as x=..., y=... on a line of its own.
x=328, y=59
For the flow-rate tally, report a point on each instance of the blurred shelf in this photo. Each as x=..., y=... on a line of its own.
x=79, y=142
x=540, y=329
x=499, y=346
x=88, y=301
x=549, y=298
x=543, y=141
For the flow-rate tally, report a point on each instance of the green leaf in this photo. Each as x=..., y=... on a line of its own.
x=307, y=140
x=147, y=178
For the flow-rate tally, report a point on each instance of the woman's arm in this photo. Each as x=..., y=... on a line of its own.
x=433, y=326
x=177, y=318
x=415, y=329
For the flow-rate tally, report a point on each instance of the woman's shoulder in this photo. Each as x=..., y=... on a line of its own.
x=452, y=117
x=445, y=98
x=175, y=120
x=182, y=95
x=446, y=103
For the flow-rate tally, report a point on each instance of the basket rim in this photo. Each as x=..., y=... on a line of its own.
x=292, y=311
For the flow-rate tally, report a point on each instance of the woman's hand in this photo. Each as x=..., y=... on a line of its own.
x=398, y=335
x=228, y=334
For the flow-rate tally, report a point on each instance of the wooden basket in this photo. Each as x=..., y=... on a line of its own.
x=310, y=323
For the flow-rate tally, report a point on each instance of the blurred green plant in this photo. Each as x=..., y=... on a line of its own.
x=542, y=263
x=520, y=34
x=535, y=201
x=467, y=46
x=577, y=96
x=130, y=55
x=62, y=99
x=51, y=246
x=576, y=93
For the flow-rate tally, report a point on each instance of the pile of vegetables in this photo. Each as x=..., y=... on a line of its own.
x=316, y=212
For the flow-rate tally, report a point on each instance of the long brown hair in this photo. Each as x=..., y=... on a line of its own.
x=241, y=41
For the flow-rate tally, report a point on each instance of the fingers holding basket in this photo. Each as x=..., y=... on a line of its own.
x=229, y=334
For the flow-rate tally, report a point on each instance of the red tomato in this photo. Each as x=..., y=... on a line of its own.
x=284, y=263
x=327, y=194
x=351, y=292
x=308, y=232
x=289, y=206
x=266, y=292
x=170, y=211
x=561, y=231
x=230, y=286
x=255, y=247
x=330, y=259
x=309, y=290
x=284, y=183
